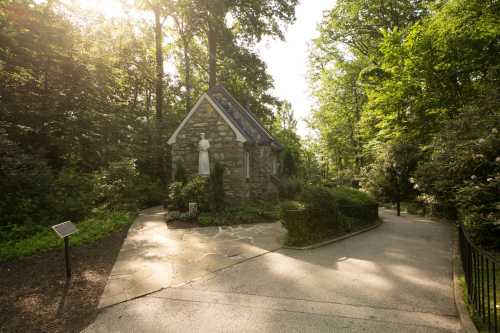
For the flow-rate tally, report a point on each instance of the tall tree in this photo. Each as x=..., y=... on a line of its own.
x=186, y=26
x=344, y=55
x=251, y=21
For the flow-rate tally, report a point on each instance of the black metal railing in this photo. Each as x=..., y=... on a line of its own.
x=481, y=271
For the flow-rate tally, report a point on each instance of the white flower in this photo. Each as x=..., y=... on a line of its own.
x=481, y=141
x=489, y=180
x=497, y=159
x=411, y=180
x=415, y=186
x=494, y=130
x=473, y=177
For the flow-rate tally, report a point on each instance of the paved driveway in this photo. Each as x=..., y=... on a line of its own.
x=395, y=278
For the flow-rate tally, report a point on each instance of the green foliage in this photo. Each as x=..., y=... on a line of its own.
x=216, y=187
x=346, y=196
x=241, y=215
x=175, y=199
x=471, y=188
x=195, y=190
x=290, y=188
x=290, y=205
x=180, y=173
x=389, y=178
x=320, y=201
x=326, y=212
x=121, y=186
x=89, y=230
x=73, y=195
x=25, y=182
x=77, y=127
x=208, y=193
x=289, y=163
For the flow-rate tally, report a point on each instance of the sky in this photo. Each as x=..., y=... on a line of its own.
x=287, y=60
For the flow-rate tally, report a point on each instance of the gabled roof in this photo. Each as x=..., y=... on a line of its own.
x=245, y=125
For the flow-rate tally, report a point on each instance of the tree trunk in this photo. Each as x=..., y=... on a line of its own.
x=212, y=55
x=187, y=73
x=159, y=144
x=398, y=198
x=159, y=67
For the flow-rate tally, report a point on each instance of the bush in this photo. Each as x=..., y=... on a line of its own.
x=116, y=184
x=289, y=163
x=216, y=187
x=320, y=201
x=25, y=181
x=121, y=186
x=146, y=192
x=73, y=195
x=175, y=200
x=327, y=212
x=289, y=188
x=301, y=227
x=345, y=196
x=241, y=215
x=290, y=205
x=180, y=173
x=389, y=178
x=195, y=190
x=89, y=230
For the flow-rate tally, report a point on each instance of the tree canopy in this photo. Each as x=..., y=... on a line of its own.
x=418, y=74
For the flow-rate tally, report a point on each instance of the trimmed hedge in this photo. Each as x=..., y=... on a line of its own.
x=327, y=212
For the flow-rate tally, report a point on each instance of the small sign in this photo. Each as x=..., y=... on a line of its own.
x=64, y=229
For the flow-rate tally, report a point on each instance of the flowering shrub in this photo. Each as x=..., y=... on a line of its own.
x=195, y=190
x=463, y=179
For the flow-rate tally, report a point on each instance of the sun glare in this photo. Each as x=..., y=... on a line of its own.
x=108, y=8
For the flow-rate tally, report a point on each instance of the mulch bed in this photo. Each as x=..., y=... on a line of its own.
x=33, y=295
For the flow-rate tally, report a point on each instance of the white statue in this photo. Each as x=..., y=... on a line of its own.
x=203, y=162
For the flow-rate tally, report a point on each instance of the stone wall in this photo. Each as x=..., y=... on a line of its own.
x=227, y=150
x=260, y=184
x=223, y=148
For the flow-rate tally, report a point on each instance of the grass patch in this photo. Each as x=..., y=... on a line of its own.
x=89, y=230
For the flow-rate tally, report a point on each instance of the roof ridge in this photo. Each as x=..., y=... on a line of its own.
x=231, y=117
x=243, y=118
x=255, y=119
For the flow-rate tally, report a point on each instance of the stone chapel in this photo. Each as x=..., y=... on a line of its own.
x=235, y=138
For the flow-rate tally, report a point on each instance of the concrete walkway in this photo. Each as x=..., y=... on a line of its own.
x=396, y=278
x=154, y=257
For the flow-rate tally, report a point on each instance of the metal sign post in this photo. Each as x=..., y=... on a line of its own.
x=66, y=257
x=64, y=230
